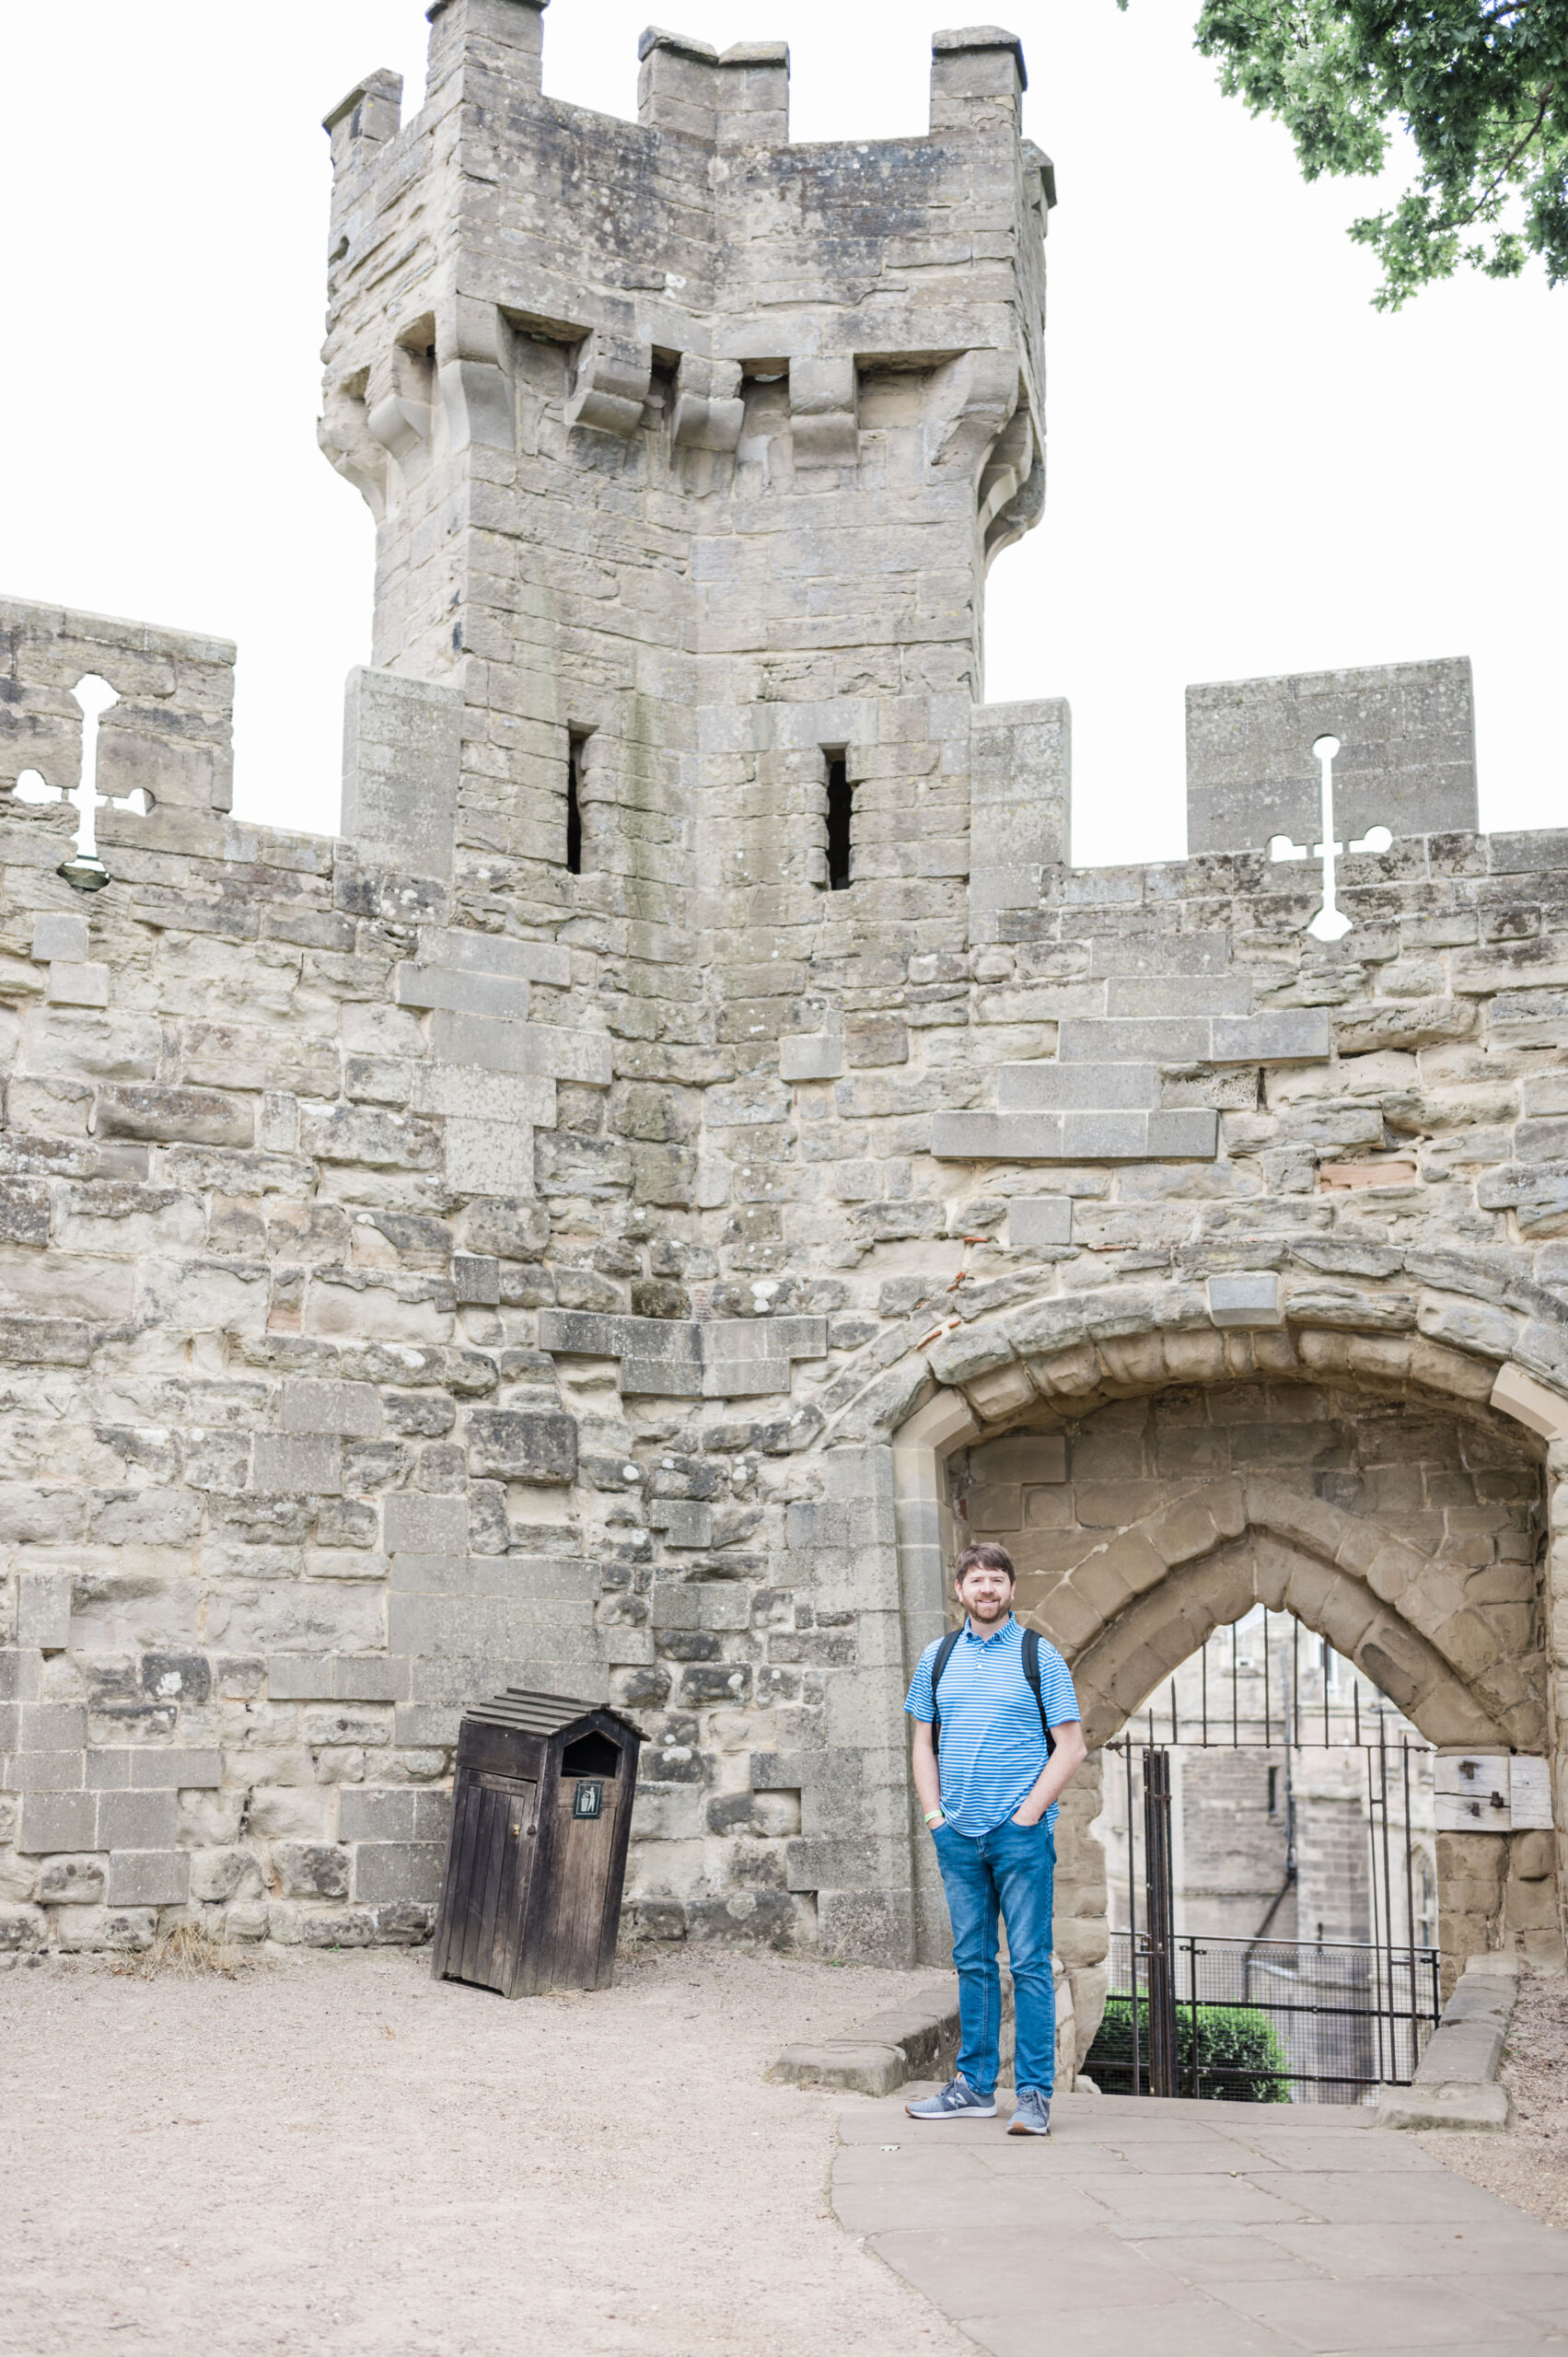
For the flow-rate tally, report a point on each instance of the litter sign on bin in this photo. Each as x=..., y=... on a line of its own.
x=588, y=1800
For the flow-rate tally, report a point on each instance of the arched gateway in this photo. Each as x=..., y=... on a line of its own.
x=1157, y=1484
x=587, y=1225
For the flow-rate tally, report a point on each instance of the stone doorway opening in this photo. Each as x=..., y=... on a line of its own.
x=1405, y=1531
x=1270, y=1832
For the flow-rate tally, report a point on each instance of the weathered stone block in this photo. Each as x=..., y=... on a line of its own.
x=149, y=1877
x=367, y=1813
x=425, y=1525
x=300, y=1677
x=1094, y=1040
x=398, y=1870
x=1078, y=1087
x=463, y=993
x=221, y=1875
x=169, y=1517
x=352, y=1411
x=402, y=750
x=1246, y=1299
x=1290, y=1035
x=811, y=1055
x=343, y=1725
x=51, y=1822
x=20, y=1667
x=72, y=985
x=297, y=1464
x=60, y=936
x=996, y=1137
x=72, y=1881
x=43, y=1610
x=514, y=1446
x=371, y=1678
x=311, y=1869
x=137, y=1821
x=24, y=1931
x=481, y=1154
x=181, y=1770
x=684, y=1521
x=476, y=1279
x=122, y=1930
x=51, y=1727
x=497, y=953
x=202, y=1116
x=533, y=1049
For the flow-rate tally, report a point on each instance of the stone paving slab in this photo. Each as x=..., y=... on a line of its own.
x=1185, y=2229
x=1545, y=2297
x=891, y=2208
x=1382, y=2155
x=1538, y=2251
x=1190, y=2199
x=1344, y=2197
x=1232, y=2255
x=1379, y=2314
x=1187, y=2329
x=1045, y=2273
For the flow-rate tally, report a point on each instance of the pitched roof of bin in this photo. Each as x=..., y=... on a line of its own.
x=543, y=1713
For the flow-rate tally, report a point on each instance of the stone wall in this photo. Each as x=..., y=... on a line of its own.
x=431, y=1262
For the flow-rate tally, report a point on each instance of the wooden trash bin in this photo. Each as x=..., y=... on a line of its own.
x=535, y=1858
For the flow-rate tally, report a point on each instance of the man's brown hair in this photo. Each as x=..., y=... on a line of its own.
x=988, y=1556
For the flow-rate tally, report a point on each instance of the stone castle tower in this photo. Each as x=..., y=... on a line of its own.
x=689, y=450
x=692, y=1144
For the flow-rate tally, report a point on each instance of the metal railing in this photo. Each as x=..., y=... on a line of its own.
x=1263, y=2021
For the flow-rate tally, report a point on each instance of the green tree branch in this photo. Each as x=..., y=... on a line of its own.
x=1480, y=85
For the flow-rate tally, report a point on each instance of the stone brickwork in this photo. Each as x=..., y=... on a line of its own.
x=556, y=1232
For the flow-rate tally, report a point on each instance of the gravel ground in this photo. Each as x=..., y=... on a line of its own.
x=1529, y=2165
x=332, y=2154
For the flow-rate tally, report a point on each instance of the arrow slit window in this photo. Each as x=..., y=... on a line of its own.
x=841, y=812
x=577, y=763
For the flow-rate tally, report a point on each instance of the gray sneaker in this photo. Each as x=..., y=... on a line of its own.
x=958, y=2100
x=1032, y=2116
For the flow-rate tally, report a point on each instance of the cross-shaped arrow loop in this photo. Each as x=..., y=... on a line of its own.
x=1330, y=923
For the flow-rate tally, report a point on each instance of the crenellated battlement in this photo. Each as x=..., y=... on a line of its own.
x=633, y=248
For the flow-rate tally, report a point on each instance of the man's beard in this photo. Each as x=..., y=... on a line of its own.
x=989, y=1607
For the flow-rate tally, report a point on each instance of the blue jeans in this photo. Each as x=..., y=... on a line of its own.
x=1012, y=1869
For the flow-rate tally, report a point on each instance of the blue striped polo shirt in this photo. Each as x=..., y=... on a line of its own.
x=991, y=1747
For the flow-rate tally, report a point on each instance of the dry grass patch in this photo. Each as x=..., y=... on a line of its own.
x=187, y=1949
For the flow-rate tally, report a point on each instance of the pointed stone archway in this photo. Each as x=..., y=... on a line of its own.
x=1468, y=1647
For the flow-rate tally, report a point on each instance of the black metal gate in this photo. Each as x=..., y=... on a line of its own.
x=1263, y=2018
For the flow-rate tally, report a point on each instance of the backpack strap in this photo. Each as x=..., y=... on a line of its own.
x=1031, y=1671
x=944, y=1655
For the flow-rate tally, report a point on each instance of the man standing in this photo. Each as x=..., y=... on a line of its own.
x=996, y=1738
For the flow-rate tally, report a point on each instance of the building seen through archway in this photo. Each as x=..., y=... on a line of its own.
x=1278, y=1747
x=1293, y=1812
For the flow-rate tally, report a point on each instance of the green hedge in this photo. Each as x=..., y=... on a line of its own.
x=1236, y=2042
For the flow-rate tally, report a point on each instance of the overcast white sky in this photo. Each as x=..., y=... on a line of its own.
x=1251, y=470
